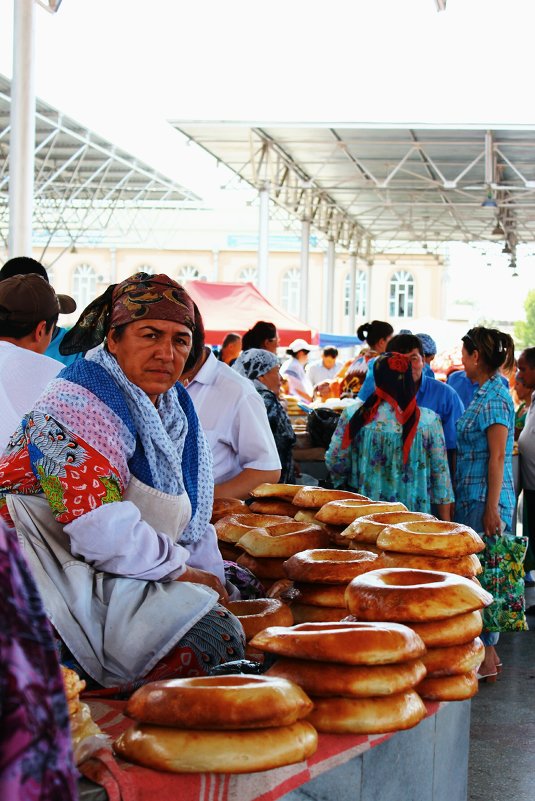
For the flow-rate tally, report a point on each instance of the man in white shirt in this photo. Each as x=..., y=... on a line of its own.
x=29, y=310
x=327, y=367
x=235, y=422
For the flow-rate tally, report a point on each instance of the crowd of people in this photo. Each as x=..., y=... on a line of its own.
x=114, y=449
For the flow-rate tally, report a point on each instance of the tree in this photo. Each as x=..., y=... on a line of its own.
x=525, y=329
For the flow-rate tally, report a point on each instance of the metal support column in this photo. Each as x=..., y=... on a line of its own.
x=305, y=249
x=22, y=135
x=263, y=240
x=329, y=294
x=352, y=316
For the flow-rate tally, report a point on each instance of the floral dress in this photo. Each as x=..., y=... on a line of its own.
x=373, y=463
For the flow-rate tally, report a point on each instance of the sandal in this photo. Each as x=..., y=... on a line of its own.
x=487, y=677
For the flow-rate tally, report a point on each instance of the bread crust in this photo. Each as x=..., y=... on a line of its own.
x=368, y=527
x=325, y=679
x=448, y=688
x=349, y=643
x=455, y=630
x=185, y=751
x=284, y=491
x=368, y=715
x=468, y=565
x=284, y=540
x=265, y=567
x=225, y=506
x=315, y=497
x=405, y=595
x=273, y=506
x=257, y=614
x=306, y=613
x=219, y=702
x=454, y=660
x=431, y=538
x=328, y=565
x=232, y=527
x=342, y=513
x=320, y=594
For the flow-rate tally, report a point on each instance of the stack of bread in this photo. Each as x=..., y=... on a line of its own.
x=442, y=608
x=339, y=514
x=218, y=724
x=274, y=499
x=360, y=676
x=86, y=736
x=364, y=530
x=309, y=501
x=431, y=545
x=320, y=577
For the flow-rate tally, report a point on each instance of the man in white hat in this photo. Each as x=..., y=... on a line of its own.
x=293, y=370
x=29, y=310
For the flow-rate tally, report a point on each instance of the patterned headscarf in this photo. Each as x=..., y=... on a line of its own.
x=255, y=362
x=141, y=296
x=395, y=385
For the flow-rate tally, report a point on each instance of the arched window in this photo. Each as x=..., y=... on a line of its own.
x=401, y=295
x=248, y=274
x=291, y=291
x=188, y=273
x=361, y=289
x=147, y=268
x=84, y=285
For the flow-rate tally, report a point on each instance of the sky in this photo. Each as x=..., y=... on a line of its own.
x=124, y=67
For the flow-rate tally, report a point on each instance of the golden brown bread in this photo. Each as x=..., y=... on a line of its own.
x=368, y=527
x=453, y=660
x=461, y=565
x=454, y=630
x=328, y=565
x=367, y=715
x=362, y=681
x=350, y=643
x=226, y=506
x=413, y=595
x=257, y=614
x=320, y=594
x=314, y=497
x=431, y=538
x=284, y=491
x=186, y=751
x=219, y=702
x=273, y=506
x=306, y=613
x=283, y=540
x=448, y=688
x=345, y=511
x=263, y=568
x=232, y=527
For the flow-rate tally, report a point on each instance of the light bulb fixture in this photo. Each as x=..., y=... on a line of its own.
x=489, y=202
x=498, y=230
x=514, y=275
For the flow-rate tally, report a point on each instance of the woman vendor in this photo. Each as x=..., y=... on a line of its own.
x=390, y=449
x=108, y=480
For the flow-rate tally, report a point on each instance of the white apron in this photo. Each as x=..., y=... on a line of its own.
x=117, y=628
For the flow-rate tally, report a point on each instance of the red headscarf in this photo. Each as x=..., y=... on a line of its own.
x=395, y=385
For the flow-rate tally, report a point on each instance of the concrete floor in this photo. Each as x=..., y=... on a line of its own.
x=502, y=737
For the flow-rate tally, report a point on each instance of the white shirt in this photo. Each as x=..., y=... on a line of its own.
x=317, y=372
x=526, y=448
x=234, y=419
x=23, y=376
x=298, y=381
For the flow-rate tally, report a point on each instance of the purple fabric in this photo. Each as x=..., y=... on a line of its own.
x=36, y=760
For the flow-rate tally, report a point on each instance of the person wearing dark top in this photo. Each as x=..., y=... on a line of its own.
x=262, y=368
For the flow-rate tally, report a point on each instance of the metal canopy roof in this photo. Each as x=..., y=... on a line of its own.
x=83, y=183
x=365, y=187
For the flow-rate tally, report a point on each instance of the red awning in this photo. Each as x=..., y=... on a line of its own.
x=227, y=307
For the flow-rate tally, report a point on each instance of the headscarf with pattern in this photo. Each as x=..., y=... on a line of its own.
x=254, y=363
x=141, y=296
x=395, y=385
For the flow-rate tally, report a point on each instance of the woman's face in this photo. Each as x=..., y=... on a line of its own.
x=271, y=344
x=470, y=361
x=152, y=353
x=272, y=380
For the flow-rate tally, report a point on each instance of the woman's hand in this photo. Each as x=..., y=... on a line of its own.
x=492, y=522
x=197, y=576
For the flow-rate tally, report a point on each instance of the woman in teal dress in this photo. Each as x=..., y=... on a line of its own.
x=390, y=449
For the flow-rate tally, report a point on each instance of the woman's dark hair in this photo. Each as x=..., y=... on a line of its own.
x=404, y=343
x=495, y=348
x=374, y=331
x=257, y=335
